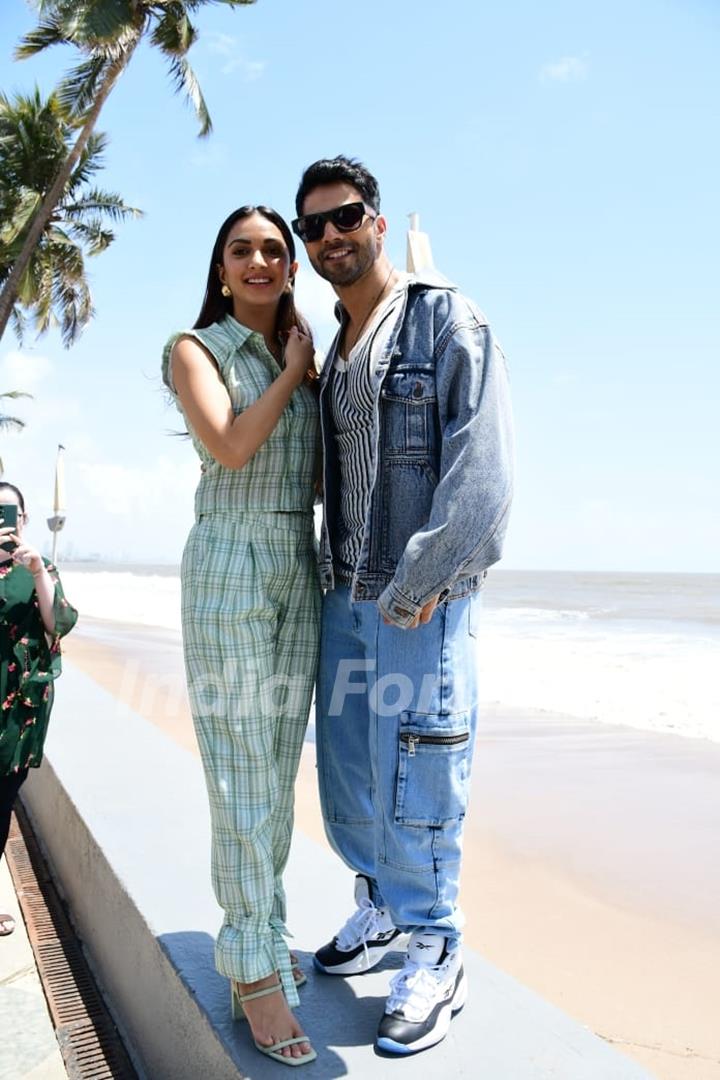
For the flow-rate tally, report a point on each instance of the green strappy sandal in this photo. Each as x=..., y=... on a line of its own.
x=273, y=1051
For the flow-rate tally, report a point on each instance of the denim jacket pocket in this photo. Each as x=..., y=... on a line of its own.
x=407, y=493
x=409, y=405
x=432, y=778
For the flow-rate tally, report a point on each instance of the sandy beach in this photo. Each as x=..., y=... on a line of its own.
x=591, y=869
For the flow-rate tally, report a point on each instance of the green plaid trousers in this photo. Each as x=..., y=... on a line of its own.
x=250, y=614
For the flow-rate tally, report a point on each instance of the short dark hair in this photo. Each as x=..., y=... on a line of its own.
x=18, y=492
x=339, y=170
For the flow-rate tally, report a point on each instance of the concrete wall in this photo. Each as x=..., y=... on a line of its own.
x=122, y=813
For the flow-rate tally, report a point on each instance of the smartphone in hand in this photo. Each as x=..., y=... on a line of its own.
x=8, y=519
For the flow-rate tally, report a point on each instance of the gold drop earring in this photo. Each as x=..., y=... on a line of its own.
x=226, y=291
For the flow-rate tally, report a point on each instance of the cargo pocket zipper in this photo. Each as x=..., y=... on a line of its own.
x=435, y=740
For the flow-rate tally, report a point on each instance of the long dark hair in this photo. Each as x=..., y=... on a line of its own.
x=215, y=306
x=18, y=492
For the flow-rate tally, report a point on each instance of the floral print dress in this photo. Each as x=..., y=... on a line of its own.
x=29, y=663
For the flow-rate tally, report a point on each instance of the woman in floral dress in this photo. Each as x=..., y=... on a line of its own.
x=34, y=615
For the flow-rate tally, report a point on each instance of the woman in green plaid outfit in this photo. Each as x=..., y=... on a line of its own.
x=242, y=378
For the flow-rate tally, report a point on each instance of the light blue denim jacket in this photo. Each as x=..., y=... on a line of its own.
x=442, y=484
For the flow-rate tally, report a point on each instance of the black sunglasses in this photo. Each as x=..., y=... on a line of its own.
x=346, y=218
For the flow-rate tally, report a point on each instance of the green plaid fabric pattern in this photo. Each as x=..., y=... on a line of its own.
x=280, y=475
x=250, y=617
x=250, y=612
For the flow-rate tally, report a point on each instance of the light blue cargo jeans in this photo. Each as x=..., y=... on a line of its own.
x=395, y=727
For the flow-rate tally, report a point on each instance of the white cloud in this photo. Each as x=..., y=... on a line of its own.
x=23, y=371
x=250, y=70
x=230, y=47
x=567, y=69
x=220, y=44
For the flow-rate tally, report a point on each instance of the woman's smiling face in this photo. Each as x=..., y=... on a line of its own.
x=256, y=262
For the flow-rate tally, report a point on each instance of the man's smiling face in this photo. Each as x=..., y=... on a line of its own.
x=342, y=258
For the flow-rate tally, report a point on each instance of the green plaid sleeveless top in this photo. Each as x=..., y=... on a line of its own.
x=281, y=474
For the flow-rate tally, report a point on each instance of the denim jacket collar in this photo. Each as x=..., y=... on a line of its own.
x=430, y=278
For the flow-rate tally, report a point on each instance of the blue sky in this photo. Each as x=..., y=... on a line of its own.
x=564, y=160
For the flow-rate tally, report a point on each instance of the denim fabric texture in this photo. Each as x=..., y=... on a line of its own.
x=442, y=482
x=395, y=731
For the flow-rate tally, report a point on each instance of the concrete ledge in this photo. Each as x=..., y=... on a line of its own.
x=122, y=813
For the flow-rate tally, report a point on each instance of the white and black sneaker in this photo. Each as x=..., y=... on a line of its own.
x=424, y=996
x=363, y=940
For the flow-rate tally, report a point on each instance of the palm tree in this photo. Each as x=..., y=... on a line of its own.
x=35, y=138
x=107, y=32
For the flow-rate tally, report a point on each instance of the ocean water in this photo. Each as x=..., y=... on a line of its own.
x=640, y=650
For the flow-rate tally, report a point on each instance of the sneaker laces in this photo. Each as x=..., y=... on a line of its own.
x=414, y=991
x=362, y=924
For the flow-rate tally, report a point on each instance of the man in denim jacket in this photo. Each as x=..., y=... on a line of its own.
x=417, y=488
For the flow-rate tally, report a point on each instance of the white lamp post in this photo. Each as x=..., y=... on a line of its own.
x=56, y=522
x=419, y=255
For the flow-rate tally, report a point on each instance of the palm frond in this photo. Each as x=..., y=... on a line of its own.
x=34, y=137
x=100, y=202
x=77, y=90
x=93, y=235
x=28, y=287
x=43, y=314
x=19, y=323
x=75, y=304
x=91, y=161
x=49, y=31
x=173, y=32
x=14, y=394
x=65, y=257
x=92, y=23
x=24, y=207
x=186, y=82
x=96, y=144
x=61, y=294
x=42, y=307
x=11, y=423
